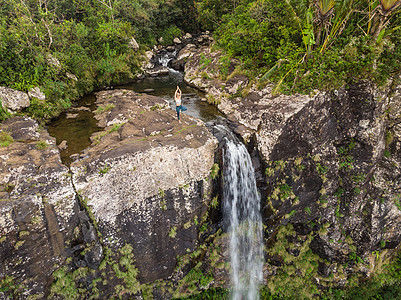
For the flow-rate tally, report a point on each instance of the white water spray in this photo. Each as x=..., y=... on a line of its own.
x=165, y=59
x=242, y=212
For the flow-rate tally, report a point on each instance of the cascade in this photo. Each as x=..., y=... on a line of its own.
x=242, y=215
x=166, y=57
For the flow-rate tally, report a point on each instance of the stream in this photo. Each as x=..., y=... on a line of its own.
x=241, y=200
x=78, y=124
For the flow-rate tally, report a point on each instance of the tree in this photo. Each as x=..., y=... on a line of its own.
x=382, y=14
x=325, y=9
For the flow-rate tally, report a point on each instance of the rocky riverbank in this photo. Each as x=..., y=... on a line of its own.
x=119, y=217
x=332, y=166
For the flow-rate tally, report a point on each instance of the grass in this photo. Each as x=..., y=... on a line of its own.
x=102, y=109
x=5, y=139
x=42, y=145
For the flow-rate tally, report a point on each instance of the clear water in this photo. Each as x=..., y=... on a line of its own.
x=242, y=213
x=165, y=87
x=77, y=131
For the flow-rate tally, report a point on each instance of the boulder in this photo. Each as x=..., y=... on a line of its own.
x=13, y=100
x=72, y=76
x=147, y=178
x=53, y=61
x=157, y=71
x=35, y=92
x=179, y=62
x=146, y=63
x=177, y=41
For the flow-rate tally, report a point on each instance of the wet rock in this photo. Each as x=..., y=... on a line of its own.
x=157, y=71
x=13, y=100
x=71, y=116
x=338, y=152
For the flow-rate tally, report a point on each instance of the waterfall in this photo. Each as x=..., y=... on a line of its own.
x=242, y=213
x=166, y=57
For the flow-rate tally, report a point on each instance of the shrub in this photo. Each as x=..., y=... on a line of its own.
x=5, y=139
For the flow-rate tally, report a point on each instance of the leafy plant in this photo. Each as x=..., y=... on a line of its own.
x=41, y=145
x=5, y=139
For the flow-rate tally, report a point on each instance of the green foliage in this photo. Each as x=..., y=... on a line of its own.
x=5, y=139
x=42, y=145
x=43, y=44
x=385, y=285
x=64, y=284
x=281, y=40
x=169, y=34
x=173, y=232
x=8, y=286
x=214, y=172
x=102, y=109
x=215, y=202
x=104, y=170
x=4, y=114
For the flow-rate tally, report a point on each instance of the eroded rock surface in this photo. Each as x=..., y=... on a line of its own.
x=145, y=177
x=332, y=169
x=13, y=100
x=37, y=207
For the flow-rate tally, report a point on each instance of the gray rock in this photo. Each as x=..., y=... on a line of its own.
x=144, y=181
x=177, y=41
x=53, y=61
x=63, y=145
x=35, y=92
x=38, y=218
x=13, y=100
x=157, y=71
x=71, y=76
x=133, y=44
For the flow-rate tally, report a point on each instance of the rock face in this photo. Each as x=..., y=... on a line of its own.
x=332, y=166
x=119, y=218
x=38, y=210
x=146, y=178
x=13, y=100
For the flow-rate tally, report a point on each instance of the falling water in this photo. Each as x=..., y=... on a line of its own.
x=166, y=57
x=242, y=213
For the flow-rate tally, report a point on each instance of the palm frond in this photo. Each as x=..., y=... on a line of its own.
x=389, y=5
x=325, y=7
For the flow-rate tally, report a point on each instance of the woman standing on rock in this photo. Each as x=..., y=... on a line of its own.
x=178, y=106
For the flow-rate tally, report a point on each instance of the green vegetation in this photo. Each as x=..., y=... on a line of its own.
x=307, y=45
x=42, y=145
x=102, y=109
x=104, y=170
x=214, y=172
x=5, y=139
x=69, y=47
